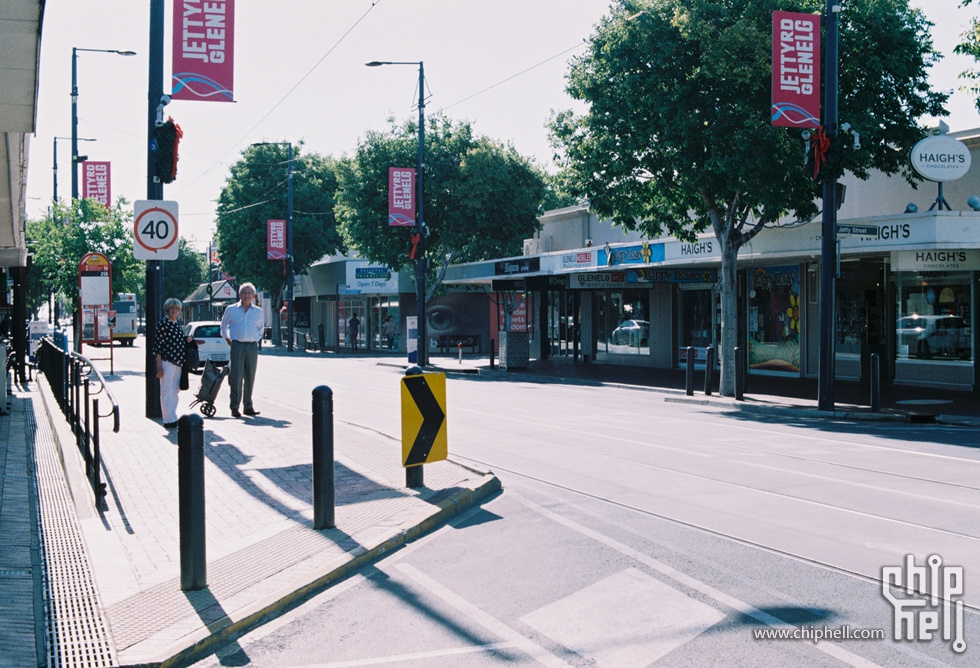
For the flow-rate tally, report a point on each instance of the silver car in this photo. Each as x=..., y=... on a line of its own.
x=934, y=335
x=210, y=344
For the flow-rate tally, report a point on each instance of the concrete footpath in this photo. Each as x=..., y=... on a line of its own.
x=109, y=593
x=112, y=582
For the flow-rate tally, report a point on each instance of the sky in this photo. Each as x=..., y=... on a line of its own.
x=300, y=77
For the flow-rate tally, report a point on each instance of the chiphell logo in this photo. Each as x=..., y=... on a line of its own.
x=928, y=609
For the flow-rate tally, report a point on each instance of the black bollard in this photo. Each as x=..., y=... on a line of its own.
x=709, y=370
x=739, y=375
x=493, y=345
x=413, y=474
x=323, y=341
x=875, y=383
x=323, y=459
x=190, y=477
x=689, y=376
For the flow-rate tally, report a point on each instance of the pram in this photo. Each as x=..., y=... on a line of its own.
x=211, y=379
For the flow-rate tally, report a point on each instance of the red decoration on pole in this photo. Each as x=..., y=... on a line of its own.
x=821, y=145
x=416, y=238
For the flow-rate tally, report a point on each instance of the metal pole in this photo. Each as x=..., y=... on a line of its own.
x=289, y=249
x=689, y=372
x=739, y=374
x=190, y=475
x=875, y=383
x=709, y=367
x=414, y=476
x=154, y=191
x=828, y=257
x=74, y=123
x=423, y=348
x=323, y=459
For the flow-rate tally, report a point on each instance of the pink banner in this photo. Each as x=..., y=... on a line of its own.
x=203, y=50
x=95, y=182
x=795, y=70
x=276, y=239
x=401, y=197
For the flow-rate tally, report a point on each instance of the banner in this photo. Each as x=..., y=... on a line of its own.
x=795, y=70
x=276, y=239
x=203, y=50
x=95, y=182
x=401, y=197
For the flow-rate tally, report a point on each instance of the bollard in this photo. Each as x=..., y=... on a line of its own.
x=413, y=474
x=190, y=480
x=689, y=376
x=459, y=346
x=97, y=484
x=323, y=459
x=739, y=375
x=875, y=383
x=319, y=334
x=709, y=368
x=493, y=345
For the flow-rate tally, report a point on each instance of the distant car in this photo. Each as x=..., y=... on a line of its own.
x=210, y=344
x=929, y=335
x=632, y=332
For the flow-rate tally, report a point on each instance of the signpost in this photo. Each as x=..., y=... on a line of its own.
x=155, y=230
x=858, y=230
x=95, y=301
x=424, y=424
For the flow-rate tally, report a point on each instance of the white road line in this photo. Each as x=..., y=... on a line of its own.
x=511, y=636
x=723, y=598
x=416, y=656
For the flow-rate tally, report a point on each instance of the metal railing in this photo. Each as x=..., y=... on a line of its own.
x=76, y=384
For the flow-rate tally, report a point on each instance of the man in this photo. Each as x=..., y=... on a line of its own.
x=242, y=326
x=353, y=325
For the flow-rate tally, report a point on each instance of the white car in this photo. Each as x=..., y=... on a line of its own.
x=210, y=344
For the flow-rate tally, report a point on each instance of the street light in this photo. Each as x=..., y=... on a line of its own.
x=54, y=163
x=420, y=219
x=74, y=110
x=289, y=238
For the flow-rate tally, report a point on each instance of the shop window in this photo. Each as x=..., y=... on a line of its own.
x=624, y=322
x=934, y=317
x=774, y=319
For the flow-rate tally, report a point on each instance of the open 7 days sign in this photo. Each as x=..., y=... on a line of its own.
x=155, y=230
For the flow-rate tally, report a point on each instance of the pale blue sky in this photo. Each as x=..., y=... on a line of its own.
x=300, y=75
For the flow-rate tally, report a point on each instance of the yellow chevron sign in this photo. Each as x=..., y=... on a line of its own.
x=424, y=423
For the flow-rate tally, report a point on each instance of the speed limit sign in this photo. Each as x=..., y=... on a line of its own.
x=155, y=230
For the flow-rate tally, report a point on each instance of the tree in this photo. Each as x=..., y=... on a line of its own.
x=255, y=192
x=970, y=46
x=677, y=136
x=183, y=275
x=481, y=197
x=67, y=233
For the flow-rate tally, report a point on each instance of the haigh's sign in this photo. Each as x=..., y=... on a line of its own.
x=941, y=158
x=936, y=260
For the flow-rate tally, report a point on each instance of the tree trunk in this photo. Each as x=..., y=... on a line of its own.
x=729, y=313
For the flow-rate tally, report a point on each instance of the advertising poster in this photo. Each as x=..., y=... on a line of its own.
x=203, y=50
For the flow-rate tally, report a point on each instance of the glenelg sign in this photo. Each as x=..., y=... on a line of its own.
x=941, y=158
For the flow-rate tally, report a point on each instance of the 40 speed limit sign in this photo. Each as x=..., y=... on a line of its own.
x=155, y=230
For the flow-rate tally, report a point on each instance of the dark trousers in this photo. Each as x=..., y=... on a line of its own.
x=244, y=359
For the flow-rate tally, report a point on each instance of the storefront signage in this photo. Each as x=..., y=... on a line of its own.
x=578, y=259
x=941, y=158
x=935, y=260
x=545, y=283
x=698, y=250
x=597, y=280
x=527, y=265
x=644, y=253
x=632, y=278
x=370, y=279
x=507, y=284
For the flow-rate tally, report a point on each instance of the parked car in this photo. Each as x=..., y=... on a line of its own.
x=930, y=335
x=632, y=332
x=210, y=344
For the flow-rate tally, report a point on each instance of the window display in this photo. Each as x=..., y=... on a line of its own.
x=934, y=316
x=774, y=319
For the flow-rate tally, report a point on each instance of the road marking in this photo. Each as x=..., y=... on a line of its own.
x=686, y=580
x=415, y=656
x=514, y=638
x=628, y=620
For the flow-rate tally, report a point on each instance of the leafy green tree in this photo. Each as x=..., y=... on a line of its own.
x=970, y=46
x=67, y=233
x=481, y=197
x=677, y=136
x=255, y=192
x=183, y=275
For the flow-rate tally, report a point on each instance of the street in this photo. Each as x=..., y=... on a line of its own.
x=633, y=530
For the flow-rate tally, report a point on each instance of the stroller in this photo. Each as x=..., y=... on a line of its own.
x=211, y=379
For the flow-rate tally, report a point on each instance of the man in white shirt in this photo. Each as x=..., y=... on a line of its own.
x=242, y=326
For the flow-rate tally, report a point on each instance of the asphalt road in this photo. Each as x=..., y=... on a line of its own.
x=632, y=531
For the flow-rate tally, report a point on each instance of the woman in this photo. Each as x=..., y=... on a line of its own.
x=388, y=331
x=169, y=349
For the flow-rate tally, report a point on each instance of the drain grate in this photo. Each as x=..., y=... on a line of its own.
x=76, y=631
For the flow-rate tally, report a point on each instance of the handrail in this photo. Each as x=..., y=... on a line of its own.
x=72, y=377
